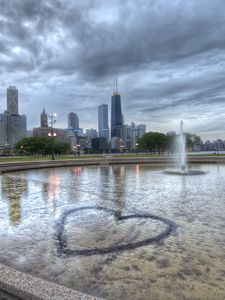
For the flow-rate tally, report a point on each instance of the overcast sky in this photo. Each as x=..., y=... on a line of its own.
x=169, y=56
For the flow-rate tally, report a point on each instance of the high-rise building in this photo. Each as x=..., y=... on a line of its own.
x=91, y=133
x=116, y=113
x=3, y=129
x=131, y=135
x=137, y=133
x=103, y=123
x=141, y=130
x=17, y=128
x=99, y=144
x=13, y=126
x=12, y=100
x=73, y=121
x=44, y=119
x=127, y=136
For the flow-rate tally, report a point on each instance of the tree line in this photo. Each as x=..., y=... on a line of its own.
x=40, y=145
x=156, y=142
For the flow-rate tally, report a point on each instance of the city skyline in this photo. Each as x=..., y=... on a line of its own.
x=168, y=56
x=73, y=122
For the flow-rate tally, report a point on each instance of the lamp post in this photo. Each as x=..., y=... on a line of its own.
x=136, y=145
x=52, y=134
x=78, y=149
x=75, y=150
x=121, y=145
x=21, y=147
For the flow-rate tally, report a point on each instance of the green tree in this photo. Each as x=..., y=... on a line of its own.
x=193, y=140
x=61, y=148
x=154, y=142
x=40, y=145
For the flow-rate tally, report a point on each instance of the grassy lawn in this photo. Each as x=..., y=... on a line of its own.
x=39, y=158
x=211, y=154
x=4, y=159
x=136, y=155
x=69, y=157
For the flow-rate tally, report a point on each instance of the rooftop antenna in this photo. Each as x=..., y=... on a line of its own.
x=115, y=85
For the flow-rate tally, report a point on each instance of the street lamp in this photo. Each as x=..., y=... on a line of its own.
x=121, y=145
x=75, y=150
x=136, y=146
x=78, y=149
x=52, y=134
x=21, y=147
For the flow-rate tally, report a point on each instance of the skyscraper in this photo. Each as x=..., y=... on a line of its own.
x=12, y=100
x=73, y=121
x=44, y=119
x=13, y=127
x=116, y=113
x=17, y=128
x=91, y=133
x=3, y=129
x=141, y=130
x=103, y=123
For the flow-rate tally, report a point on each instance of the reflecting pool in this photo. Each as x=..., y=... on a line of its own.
x=162, y=235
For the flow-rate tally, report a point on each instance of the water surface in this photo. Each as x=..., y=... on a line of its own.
x=188, y=264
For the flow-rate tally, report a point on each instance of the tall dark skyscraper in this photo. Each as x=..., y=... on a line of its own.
x=12, y=100
x=116, y=113
x=73, y=121
x=103, y=123
x=44, y=119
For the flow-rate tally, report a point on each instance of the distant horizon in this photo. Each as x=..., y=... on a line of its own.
x=96, y=127
x=168, y=57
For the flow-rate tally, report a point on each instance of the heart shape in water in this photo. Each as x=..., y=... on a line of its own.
x=62, y=240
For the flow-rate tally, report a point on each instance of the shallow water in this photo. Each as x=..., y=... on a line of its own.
x=187, y=264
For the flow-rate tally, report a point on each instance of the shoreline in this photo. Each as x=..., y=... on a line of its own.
x=31, y=165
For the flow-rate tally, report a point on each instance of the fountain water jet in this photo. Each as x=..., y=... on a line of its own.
x=182, y=149
x=183, y=169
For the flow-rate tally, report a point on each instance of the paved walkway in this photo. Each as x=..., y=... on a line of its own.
x=30, y=287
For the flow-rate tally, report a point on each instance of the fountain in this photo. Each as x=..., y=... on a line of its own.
x=182, y=149
x=182, y=168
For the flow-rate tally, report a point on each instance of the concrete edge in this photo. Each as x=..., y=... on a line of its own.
x=16, y=166
x=29, y=287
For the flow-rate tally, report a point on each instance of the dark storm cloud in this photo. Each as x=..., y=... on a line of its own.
x=169, y=56
x=141, y=33
x=158, y=32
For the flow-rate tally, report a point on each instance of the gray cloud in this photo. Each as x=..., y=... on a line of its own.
x=169, y=57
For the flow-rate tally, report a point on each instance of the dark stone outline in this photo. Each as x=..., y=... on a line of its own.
x=62, y=240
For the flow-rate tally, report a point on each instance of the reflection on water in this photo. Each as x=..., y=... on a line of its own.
x=12, y=190
x=53, y=183
x=118, y=189
x=187, y=265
